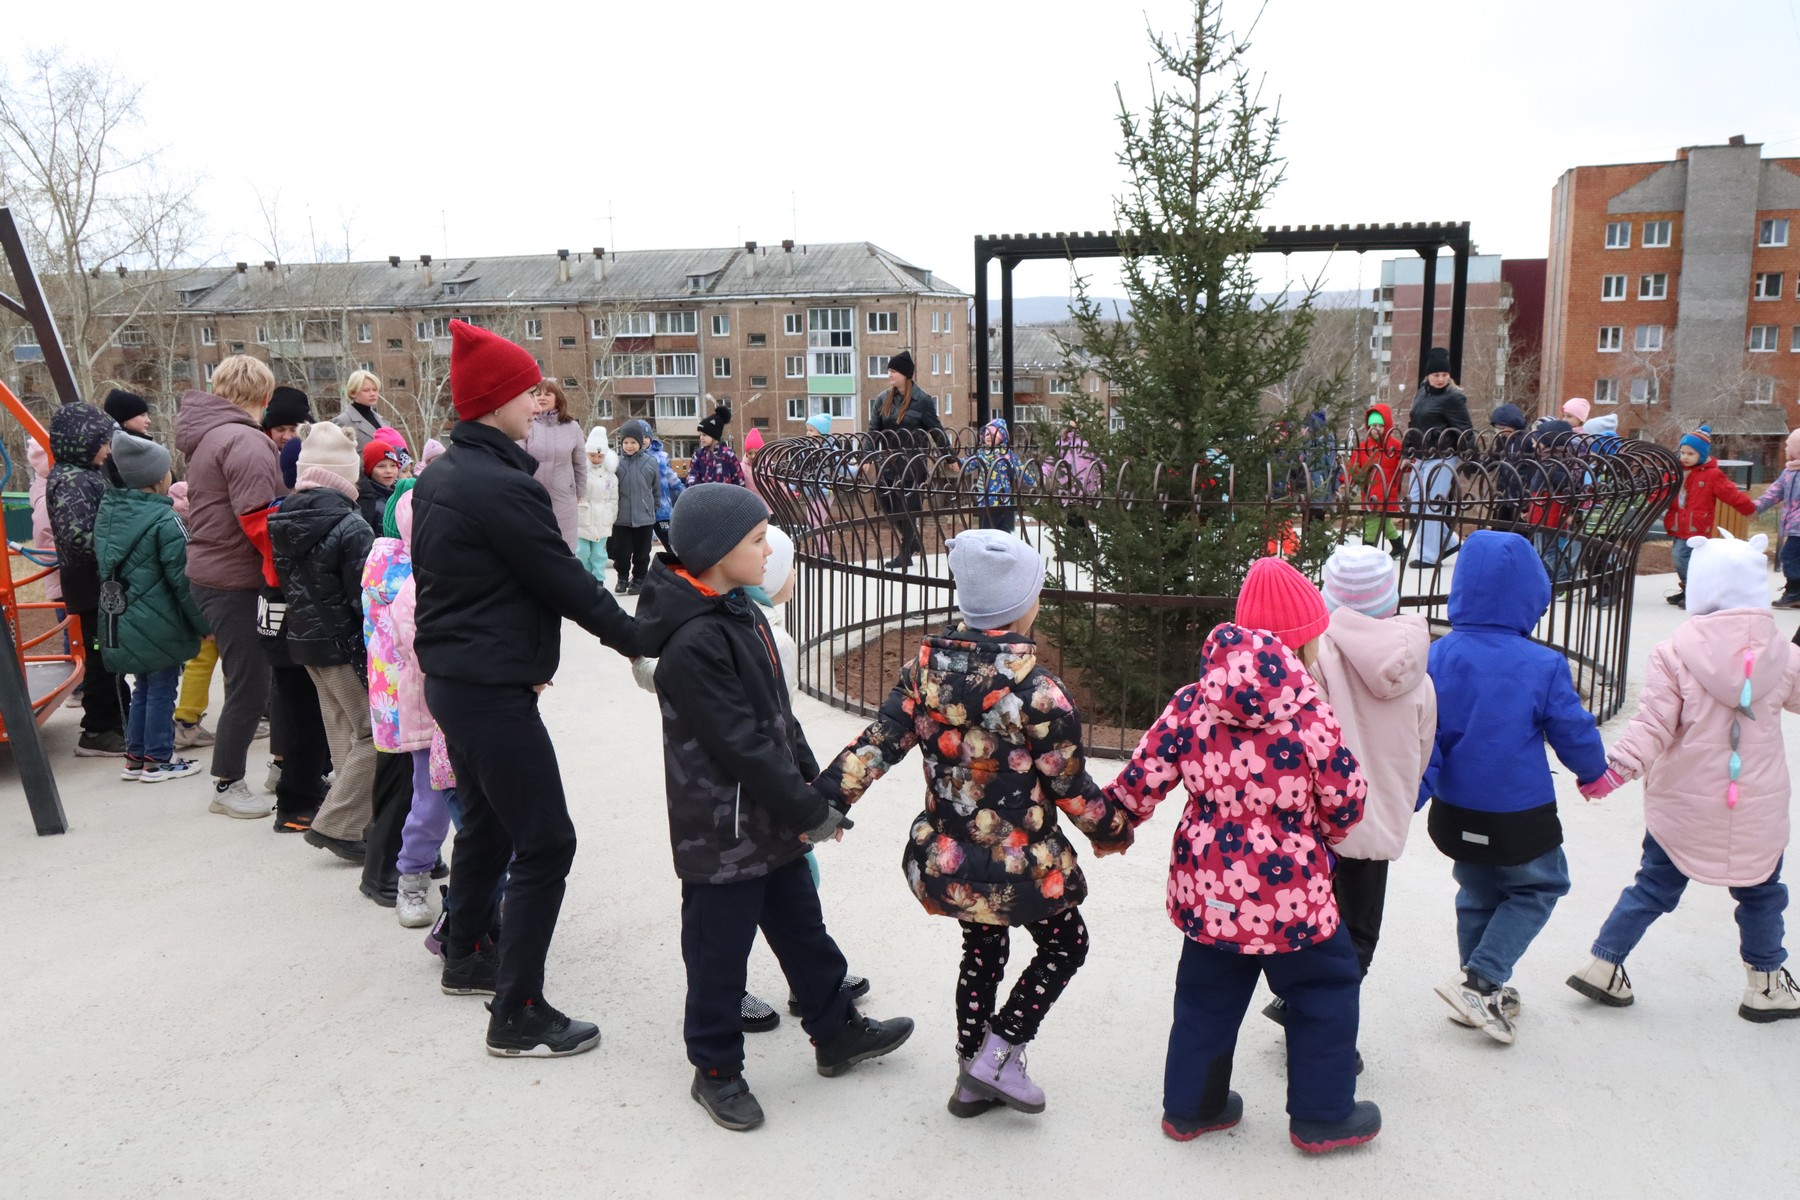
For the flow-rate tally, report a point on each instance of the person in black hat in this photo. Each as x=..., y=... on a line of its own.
x=288, y=410
x=714, y=462
x=1439, y=419
x=904, y=419
x=129, y=409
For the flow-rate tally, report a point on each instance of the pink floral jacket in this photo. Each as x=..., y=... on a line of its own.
x=1270, y=787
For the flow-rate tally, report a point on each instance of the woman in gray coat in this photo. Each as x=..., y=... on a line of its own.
x=561, y=452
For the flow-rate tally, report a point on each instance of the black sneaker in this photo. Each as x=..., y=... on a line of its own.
x=856, y=985
x=107, y=744
x=440, y=869
x=471, y=975
x=1276, y=1011
x=622, y=588
x=756, y=1016
x=385, y=892
x=344, y=848
x=1322, y=1137
x=539, y=1031
x=726, y=1099
x=294, y=822
x=1186, y=1129
x=860, y=1040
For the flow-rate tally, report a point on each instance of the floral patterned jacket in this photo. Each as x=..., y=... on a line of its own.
x=714, y=464
x=1002, y=749
x=397, y=714
x=1270, y=786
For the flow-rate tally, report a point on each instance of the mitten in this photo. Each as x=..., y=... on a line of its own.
x=1603, y=786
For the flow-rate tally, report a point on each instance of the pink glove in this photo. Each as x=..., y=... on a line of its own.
x=1603, y=786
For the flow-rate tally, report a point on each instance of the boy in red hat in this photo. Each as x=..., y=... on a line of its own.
x=495, y=580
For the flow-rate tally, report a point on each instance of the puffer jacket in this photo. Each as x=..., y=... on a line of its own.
x=562, y=467
x=668, y=484
x=1372, y=673
x=72, y=494
x=320, y=543
x=914, y=427
x=232, y=469
x=639, y=486
x=1271, y=786
x=993, y=470
x=1376, y=464
x=1696, y=509
x=142, y=542
x=1437, y=421
x=736, y=765
x=41, y=537
x=397, y=711
x=715, y=464
x=599, y=508
x=1680, y=743
x=1002, y=748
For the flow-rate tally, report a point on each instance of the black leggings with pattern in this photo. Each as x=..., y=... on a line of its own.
x=1062, y=945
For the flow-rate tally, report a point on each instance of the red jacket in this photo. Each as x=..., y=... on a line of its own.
x=1702, y=488
x=1375, y=463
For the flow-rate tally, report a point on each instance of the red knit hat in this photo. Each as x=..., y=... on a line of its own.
x=486, y=370
x=1281, y=600
x=377, y=450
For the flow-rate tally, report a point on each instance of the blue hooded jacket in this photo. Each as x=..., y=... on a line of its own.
x=1500, y=695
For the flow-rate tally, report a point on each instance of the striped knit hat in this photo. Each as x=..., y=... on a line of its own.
x=1362, y=578
x=1701, y=441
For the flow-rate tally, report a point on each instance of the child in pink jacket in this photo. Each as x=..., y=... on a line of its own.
x=1707, y=741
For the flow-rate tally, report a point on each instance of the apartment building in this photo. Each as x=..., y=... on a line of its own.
x=1043, y=380
x=782, y=332
x=1487, y=318
x=1673, y=294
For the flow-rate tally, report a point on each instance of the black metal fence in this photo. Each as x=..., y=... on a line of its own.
x=870, y=515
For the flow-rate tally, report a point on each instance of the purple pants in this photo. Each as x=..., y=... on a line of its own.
x=427, y=823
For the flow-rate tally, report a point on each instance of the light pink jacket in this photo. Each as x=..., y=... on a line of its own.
x=41, y=537
x=1680, y=743
x=1373, y=673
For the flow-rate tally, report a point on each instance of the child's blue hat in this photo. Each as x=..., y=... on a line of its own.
x=1701, y=441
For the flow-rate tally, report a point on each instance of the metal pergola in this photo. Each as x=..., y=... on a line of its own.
x=1425, y=239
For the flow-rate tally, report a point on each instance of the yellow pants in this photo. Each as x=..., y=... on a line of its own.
x=196, y=683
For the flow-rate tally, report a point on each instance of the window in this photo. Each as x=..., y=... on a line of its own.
x=841, y=408
x=796, y=408
x=1647, y=337
x=679, y=366
x=948, y=356
x=237, y=347
x=757, y=339
x=393, y=344
x=677, y=323
x=1794, y=341
x=1059, y=387
x=878, y=366
x=793, y=324
x=622, y=366
x=829, y=363
x=1764, y=339
x=944, y=405
x=436, y=327
x=534, y=329
x=1612, y=339
x=1765, y=392
x=570, y=383
x=721, y=325
x=637, y=324
x=1115, y=422
x=884, y=322
x=1031, y=414
x=678, y=407
x=721, y=368
x=1655, y=287
x=827, y=328
x=1612, y=287
x=1645, y=391
x=1656, y=233
x=638, y=408
x=994, y=386
x=209, y=370
x=399, y=385
x=796, y=366
x=937, y=362
x=262, y=334
x=1606, y=391
x=759, y=381
x=1772, y=232
x=934, y=322
x=366, y=366
x=364, y=332
x=603, y=408
x=1618, y=235
x=132, y=335
x=1768, y=286
x=206, y=335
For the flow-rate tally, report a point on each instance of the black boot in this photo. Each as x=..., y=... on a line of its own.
x=859, y=1040
x=393, y=801
x=1321, y=1137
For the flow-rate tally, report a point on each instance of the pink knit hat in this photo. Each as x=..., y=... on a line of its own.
x=1281, y=600
x=1576, y=409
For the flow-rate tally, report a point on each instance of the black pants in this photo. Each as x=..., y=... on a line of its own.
x=297, y=733
x=1361, y=888
x=102, y=701
x=513, y=810
x=1062, y=946
x=1000, y=517
x=631, y=551
x=393, y=802
x=718, y=926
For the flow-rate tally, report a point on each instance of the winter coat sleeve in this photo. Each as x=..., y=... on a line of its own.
x=1778, y=492
x=253, y=473
x=1569, y=727
x=171, y=552
x=1053, y=734
x=578, y=463
x=534, y=550
x=889, y=738
x=1733, y=495
x=357, y=540
x=1338, y=787
x=1456, y=412
x=1153, y=771
x=1652, y=729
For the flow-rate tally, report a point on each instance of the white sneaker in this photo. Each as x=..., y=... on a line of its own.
x=413, y=903
x=1771, y=996
x=273, y=779
x=1476, y=1010
x=233, y=799
x=1603, y=981
x=175, y=768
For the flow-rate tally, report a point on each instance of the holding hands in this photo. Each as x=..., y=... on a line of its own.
x=1603, y=786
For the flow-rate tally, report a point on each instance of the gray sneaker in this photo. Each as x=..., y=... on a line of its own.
x=412, y=904
x=192, y=737
x=233, y=799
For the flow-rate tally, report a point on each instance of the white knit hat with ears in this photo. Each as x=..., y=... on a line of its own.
x=781, y=561
x=596, y=443
x=1726, y=573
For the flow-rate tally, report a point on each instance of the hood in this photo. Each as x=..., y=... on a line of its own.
x=1384, y=411
x=403, y=515
x=949, y=658
x=1602, y=426
x=307, y=517
x=201, y=413
x=998, y=425
x=1713, y=648
x=179, y=498
x=388, y=566
x=671, y=599
x=38, y=457
x=597, y=443
x=1507, y=416
x=77, y=431
x=1499, y=581
x=1388, y=655
x=1250, y=680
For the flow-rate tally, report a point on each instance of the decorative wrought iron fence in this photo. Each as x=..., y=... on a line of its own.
x=856, y=504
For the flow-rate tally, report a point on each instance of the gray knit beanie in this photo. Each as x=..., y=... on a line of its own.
x=140, y=462
x=997, y=577
x=709, y=519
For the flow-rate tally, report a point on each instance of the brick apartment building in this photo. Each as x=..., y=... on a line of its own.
x=783, y=332
x=1042, y=382
x=1487, y=332
x=1673, y=294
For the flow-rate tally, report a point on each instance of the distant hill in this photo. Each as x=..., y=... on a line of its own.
x=1053, y=310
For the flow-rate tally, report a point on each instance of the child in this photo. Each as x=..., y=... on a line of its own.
x=741, y=812
x=1375, y=467
x=382, y=465
x=598, y=509
x=714, y=462
x=1002, y=747
x=80, y=440
x=1371, y=669
x=320, y=544
x=994, y=471
x=130, y=410
x=1786, y=491
x=196, y=676
x=1500, y=697
x=753, y=444
x=1270, y=786
x=1707, y=742
x=1703, y=488
x=668, y=490
x=151, y=625
x=639, y=481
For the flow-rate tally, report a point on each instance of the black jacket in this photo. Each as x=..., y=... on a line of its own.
x=736, y=765
x=1438, y=421
x=494, y=576
x=72, y=497
x=320, y=543
x=371, y=501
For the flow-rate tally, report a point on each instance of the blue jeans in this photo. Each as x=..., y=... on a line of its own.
x=1659, y=885
x=1790, y=562
x=1680, y=551
x=150, y=729
x=1499, y=910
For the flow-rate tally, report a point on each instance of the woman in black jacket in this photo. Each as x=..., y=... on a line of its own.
x=904, y=419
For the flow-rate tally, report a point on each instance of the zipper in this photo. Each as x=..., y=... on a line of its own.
x=737, y=811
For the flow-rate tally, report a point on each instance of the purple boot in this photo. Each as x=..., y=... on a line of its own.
x=998, y=1072
x=966, y=1103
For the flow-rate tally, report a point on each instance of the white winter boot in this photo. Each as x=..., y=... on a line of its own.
x=1603, y=981
x=1771, y=996
x=413, y=902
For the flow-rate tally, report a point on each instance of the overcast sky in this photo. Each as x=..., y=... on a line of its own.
x=513, y=129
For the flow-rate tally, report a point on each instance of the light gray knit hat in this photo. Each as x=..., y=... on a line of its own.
x=1363, y=578
x=998, y=577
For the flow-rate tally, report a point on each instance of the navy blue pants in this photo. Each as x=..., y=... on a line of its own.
x=718, y=926
x=1322, y=986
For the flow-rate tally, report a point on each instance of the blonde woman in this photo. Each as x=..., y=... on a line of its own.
x=557, y=443
x=359, y=416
